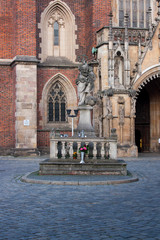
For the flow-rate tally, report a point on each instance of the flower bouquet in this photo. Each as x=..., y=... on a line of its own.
x=75, y=155
x=84, y=149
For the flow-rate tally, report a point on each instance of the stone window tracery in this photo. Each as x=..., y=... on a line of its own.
x=57, y=104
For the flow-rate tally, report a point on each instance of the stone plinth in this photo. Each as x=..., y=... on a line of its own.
x=66, y=167
x=85, y=120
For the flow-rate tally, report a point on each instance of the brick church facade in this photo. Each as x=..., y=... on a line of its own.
x=42, y=45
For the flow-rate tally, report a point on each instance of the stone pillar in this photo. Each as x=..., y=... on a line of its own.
x=50, y=40
x=85, y=120
x=113, y=145
x=26, y=102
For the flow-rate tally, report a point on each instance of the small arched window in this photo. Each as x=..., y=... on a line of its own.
x=56, y=34
x=56, y=104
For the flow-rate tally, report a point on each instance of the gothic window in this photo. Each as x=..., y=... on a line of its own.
x=137, y=11
x=57, y=32
x=56, y=104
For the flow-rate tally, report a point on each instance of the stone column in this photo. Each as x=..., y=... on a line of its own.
x=26, y=102
x=133, y=112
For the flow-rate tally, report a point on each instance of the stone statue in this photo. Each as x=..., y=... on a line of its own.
x=108, y=108
x=118, y=71
x=85, y=84
x=133, y=107
x=121, y=114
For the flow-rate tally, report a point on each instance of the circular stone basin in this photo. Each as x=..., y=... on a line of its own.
x=78, y=179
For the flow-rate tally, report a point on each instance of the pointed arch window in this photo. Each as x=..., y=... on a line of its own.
x=56, y=104
x=57, y=32
x=137, y=11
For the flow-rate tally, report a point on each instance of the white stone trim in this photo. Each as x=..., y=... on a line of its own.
x=5, y=60
x=147, y=75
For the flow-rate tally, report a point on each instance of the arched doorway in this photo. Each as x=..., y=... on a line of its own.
x=147, y=122
x=142, y=122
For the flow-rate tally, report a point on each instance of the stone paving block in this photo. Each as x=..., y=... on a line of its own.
x=45, y=212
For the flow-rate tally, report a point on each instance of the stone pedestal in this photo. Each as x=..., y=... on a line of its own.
x=85, y=121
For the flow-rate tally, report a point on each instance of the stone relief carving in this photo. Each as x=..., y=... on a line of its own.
x=121, y=102
x=56, y=17
x=108, y=108
x=133, y=107
x=118, y=71
x=121, y=115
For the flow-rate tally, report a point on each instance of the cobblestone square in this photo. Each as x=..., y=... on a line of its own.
x=45, y=212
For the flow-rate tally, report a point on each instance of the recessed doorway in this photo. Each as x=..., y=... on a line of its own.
x=142, y=122
x=147, y=122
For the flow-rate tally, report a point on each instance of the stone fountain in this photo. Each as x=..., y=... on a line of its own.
x=102, y=155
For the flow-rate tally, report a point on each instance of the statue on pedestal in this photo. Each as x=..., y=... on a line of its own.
x=85, y=85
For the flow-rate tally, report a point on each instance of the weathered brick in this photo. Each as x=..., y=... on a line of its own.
x=19, y=35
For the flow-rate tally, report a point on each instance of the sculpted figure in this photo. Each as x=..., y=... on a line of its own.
x=85, y=83
x=133, y=106
x=108, y=108
x=121, y=114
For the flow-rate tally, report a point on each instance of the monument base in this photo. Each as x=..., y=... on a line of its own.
x=68, y=167
x=85, y=121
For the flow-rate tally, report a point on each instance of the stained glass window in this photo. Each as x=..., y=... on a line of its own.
x=56, y=104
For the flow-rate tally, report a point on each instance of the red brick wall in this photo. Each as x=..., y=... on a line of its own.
x=6, y=29
x=43, y=139
x=17, y=28
x=25, y=28
x=7, y=107
x=96, y=13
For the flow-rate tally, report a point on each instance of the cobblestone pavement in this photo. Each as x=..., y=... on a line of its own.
x=45, y=212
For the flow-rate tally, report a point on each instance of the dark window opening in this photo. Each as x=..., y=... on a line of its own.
x=56, y=104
